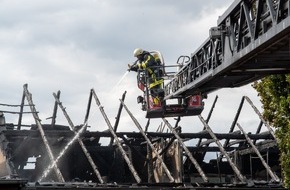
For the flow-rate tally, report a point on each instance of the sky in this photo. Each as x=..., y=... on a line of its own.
x=74, y=46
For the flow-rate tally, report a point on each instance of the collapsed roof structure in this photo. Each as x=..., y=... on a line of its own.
x=51, y=155
x=250, y=41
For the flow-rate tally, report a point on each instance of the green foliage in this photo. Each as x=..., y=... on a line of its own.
x=274, y=92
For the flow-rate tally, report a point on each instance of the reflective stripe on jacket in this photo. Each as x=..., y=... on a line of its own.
x=148, y=63
x=155, y=83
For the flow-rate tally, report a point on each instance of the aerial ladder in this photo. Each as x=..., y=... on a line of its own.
x=251, y=41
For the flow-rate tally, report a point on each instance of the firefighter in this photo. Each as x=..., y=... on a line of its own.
x=151, y=64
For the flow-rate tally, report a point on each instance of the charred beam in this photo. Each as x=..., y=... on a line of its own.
x=130, y=165
x=40, y=129
x=271, y=173
x=192, y=159
x=84, y=149
x=261, y=117
x=234, y=167
x=118, y=117
x=149, y=143
x=54, y=111
x=220, y=136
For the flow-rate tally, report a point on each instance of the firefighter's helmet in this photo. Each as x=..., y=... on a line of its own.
x=138, y=51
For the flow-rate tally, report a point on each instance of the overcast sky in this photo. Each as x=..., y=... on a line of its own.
x=76, y=45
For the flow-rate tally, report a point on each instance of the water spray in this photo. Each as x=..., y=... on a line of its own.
x=48, y=169
x=119, y=82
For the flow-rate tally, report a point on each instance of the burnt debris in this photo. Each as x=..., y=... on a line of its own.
x=51, y=155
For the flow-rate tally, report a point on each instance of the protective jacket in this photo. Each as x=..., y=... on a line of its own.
x=148, y=62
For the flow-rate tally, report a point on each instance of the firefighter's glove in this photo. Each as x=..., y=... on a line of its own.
x=132, y=68
x=129, y=67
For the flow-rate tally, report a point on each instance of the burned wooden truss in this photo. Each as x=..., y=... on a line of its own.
x=71, y=156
